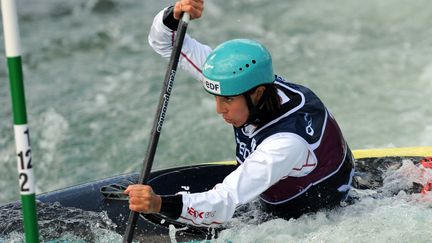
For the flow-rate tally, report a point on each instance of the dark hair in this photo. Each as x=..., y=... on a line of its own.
x=273, y=101
x=268, y=106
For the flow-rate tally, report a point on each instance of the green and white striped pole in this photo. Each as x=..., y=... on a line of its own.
x=21, y=130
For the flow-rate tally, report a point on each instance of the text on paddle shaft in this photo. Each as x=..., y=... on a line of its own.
x=166, y=100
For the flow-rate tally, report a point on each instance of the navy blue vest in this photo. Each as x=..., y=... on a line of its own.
x=308, y=118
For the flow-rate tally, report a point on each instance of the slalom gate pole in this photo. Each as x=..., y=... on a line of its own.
x=159, y=118
x=21, y=130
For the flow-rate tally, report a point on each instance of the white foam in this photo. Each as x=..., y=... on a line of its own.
x=394, y=216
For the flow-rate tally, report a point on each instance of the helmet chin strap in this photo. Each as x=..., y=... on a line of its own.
x=255, y=110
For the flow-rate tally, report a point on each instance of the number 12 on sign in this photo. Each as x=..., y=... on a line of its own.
x=25, y=170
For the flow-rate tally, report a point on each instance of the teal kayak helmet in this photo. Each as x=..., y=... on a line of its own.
x=237, y=66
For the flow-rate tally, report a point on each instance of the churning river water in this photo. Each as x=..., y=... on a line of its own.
x=92, y=84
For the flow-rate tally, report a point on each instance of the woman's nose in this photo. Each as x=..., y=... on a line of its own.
x=220, y=107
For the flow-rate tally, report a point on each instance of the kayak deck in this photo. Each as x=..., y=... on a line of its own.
x=106, y=195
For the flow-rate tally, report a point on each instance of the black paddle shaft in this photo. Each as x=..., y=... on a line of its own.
x=159, y=118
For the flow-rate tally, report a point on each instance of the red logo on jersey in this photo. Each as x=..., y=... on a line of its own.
x=194, y=213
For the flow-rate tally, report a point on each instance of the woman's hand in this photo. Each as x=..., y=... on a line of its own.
x=193, y=7
x=142, y=199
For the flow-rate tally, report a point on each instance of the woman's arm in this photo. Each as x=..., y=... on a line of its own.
x=161, y=39
x=272, y=160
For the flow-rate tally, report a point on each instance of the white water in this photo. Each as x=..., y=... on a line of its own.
x=92, y=85
x=387, y=217
x=398, y=219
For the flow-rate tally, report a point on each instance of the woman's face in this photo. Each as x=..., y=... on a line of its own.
x=233, y=109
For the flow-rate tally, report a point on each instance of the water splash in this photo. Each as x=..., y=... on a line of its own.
x=389, y=214
x=57, y=223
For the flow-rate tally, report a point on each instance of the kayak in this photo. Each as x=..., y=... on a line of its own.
x=106, y=195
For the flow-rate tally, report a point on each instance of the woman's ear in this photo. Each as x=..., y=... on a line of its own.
x=256, y=96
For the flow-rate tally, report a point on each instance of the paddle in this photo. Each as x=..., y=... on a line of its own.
x=159, y=118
